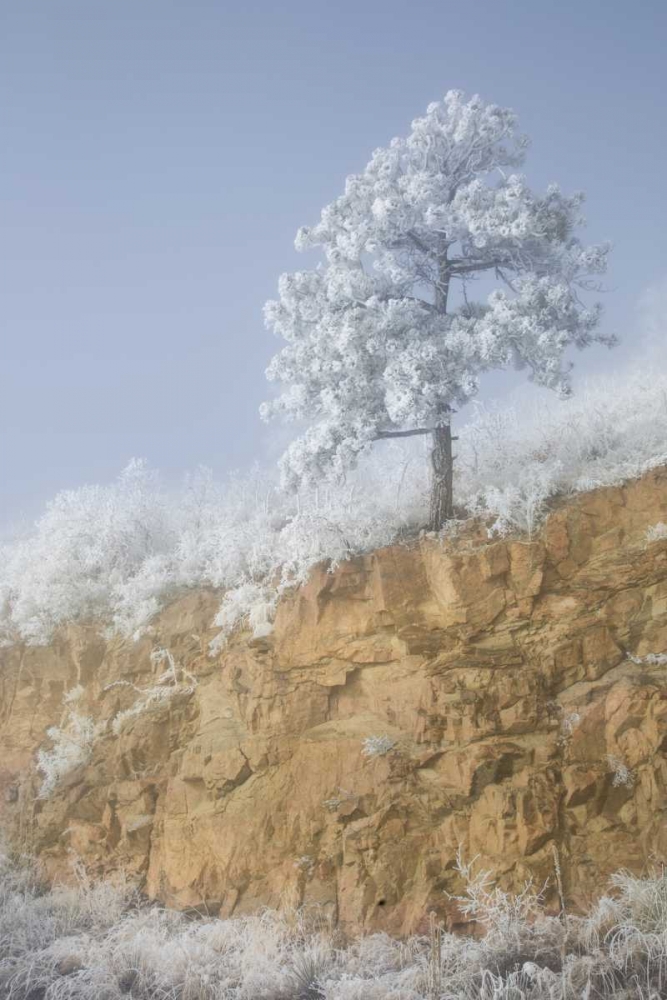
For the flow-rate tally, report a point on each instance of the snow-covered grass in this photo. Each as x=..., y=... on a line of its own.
x=99, y=941
x=115, y=553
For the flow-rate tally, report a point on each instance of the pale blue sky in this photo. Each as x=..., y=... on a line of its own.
x=159, y=155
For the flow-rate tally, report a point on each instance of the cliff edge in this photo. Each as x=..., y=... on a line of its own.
x=507, y=698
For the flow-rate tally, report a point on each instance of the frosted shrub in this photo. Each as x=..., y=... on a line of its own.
x=652, y=659
x=73, y=741
x=377, y=746
x=150, y=698
x=72, y=745
x=172, y=683
x=512, y=460
x=86, y=548
x=73, y=695
x=504, y=915
x=90, y=558
x=622, y=775
x=570, y=722
x=115, y=553
x=657, y=532
x=516, y=508
x=305, y=864
x=136, y=599
x=568, y=725
x=250, y=604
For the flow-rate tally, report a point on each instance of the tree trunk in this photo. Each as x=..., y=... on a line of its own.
x=442, y=498
x=442, y=460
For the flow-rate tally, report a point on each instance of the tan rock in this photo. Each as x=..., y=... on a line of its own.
x=499, y=669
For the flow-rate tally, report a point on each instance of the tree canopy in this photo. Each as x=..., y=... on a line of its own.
x=383, y=336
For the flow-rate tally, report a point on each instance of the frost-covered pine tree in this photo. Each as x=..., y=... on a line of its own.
x=383, y=337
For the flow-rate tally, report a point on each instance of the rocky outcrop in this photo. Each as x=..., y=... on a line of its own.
x=498, y=671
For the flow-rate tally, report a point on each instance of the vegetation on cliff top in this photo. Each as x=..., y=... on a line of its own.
x=116, y=552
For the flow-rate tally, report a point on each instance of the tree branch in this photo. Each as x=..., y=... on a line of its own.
x=404, y=298
x=401, y=434
x=458, y=267
x=419, y=243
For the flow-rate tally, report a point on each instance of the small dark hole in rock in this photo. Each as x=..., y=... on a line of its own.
x=381, y=902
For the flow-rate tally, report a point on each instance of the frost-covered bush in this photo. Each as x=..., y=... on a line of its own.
x=251, y=604
x=73, y=741
x=98, y=940
x=71, y=744
x=519, y=507
x=172, y=683
x=652, y=659
x=115, y=553
x=622, y=774
x=657, y=532
x=87, y=548
x=512, y=460
x=377, y=746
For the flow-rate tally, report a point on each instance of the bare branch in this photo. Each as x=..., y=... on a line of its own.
x=419, y=243
x=457, y=266
x=401, y=434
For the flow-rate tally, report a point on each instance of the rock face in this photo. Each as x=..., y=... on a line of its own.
x=499, y=671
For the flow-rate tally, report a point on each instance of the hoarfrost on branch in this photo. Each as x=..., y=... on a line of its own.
x=375, y=346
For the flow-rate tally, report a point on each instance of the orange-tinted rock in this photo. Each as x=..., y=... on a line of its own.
x=499, y=669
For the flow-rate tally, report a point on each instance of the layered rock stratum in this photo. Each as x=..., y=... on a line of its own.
x=519, y=683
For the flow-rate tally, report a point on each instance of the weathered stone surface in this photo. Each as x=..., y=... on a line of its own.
x=499, y=668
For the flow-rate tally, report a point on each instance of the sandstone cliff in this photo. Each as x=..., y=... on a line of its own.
x=499, y=670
